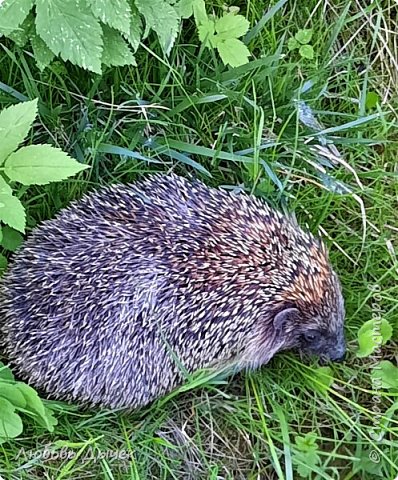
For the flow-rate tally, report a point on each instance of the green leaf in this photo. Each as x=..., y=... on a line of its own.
x=233, y=52
x=3, y=267
x=372, y=335
x=162, y=18
x=199, y=12
x=40, y=164
x=372, y=99
x=35, y=405
x=116, y=13
x=231, y=26
x=70, y=30
x=4, y=187
x=325, y=377
x=306, y=462
x=12, y=14
x=206, y=32
x=5, y=372
x=116, y=51
x=10, y=422
x=15, y=123
x=306, y=443
x=22, y=34
x=185, y=8
x=292, y=44
x=11, y=393
x=387, y=372
x=11, y=239
x=134, y=34
x=12, y=212
x=43, y=55
x=304, y=36
x=306, y=51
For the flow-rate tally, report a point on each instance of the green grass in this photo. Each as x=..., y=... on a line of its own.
x=189, y=114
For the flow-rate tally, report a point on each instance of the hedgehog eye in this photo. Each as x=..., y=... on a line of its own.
x=311, y=336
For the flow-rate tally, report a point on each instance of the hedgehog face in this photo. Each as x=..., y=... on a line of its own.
x=320, y=336
x=326, y=344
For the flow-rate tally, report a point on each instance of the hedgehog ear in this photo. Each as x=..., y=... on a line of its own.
x=285, y=317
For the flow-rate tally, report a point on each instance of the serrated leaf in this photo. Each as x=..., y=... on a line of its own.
x=12, y=14
x=135, y=31
x=304, y=36
x=43, y=55
x=116, y=51
x=11, y=239
x=15, y=123
x=306, y=51
x=387, y=372
x=372, y=335
x=21, y=35
x=292, y=44
x=10, y=422
x=40, y=164
x=206, y=32
x=12, y=212
x=70, y=30
x=116, y=13
x=233, y=52
x=162, y=18
x=231, y=26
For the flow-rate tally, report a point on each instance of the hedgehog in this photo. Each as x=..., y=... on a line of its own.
x=129, y=290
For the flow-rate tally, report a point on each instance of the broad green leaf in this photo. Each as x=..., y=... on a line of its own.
x=292, y=44
x=12, y=14
x=185, y=8
x=22, y=34
x=233, y=52
x=372, y=335
x=116, y=51
x=15, y=123
x=199, y=12
x=11, y=239
x=43, y=55
x=4, y=187
x=162, y=18
x=372, y=100
x=325, y=377
x=35, y=405
x=306, y=51
x=70, y=30
x=5, y=372
x=304, y=36
x=116, y=13
x=206, y=32
x=387, y=372
x=12, y=212
x=11, y=393
x=134, y=34
x=10, y=422
x=231, y=26
x=40, y=164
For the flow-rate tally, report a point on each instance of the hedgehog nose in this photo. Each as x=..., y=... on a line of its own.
x=340, y=358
